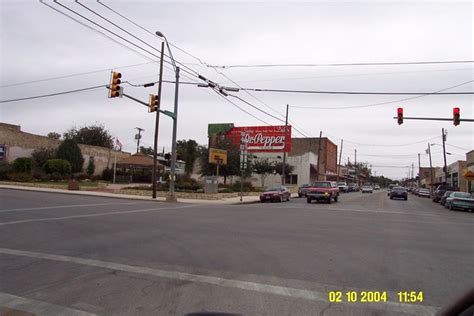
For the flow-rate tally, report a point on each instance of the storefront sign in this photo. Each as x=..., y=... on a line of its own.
x=218, y=156
x=262, y=138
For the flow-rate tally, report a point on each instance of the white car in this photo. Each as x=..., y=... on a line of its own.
x=343, y=187
x=424, y=192
x=367, y=189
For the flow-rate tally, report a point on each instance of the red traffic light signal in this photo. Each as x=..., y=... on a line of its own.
x=115, y=90
x=153, y=102
x=456, y=116
x=400, y=116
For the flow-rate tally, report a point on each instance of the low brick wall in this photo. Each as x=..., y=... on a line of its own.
x=185, y=195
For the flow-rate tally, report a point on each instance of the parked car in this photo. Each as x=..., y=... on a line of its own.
x=367, y=189
x=460, y=200
x=343, y=187
x=415, y=191
x=303, y=189
x=440, y=190
x=444, y=197
x=376, y=187
x=398, y=192
x=351, y=187
x=323, y=191
x=275, y=194
x=424, y=192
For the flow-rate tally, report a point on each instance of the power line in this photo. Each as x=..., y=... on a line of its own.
x=458, y=147
x=384, y=145
x=381, y=103
x=342, y=64
x=52, y=94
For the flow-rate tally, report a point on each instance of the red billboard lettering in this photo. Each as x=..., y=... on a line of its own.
x=262, y=138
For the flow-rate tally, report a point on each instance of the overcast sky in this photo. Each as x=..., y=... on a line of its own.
x=39, y=43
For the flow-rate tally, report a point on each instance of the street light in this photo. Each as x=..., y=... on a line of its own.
x=171, y=197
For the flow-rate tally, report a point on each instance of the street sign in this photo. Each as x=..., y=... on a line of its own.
x=218, y=156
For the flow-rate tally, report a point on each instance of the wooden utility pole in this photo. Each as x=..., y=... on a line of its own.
x=445, y=168
x=138, y=136
x=319, y=155
x=283, y=168
x=419, y=171
x=431, y=168
x=340, y=157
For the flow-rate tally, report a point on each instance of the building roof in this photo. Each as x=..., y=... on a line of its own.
x=138, y=160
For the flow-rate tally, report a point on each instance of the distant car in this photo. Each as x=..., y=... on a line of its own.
x=460, y=200
x=415, y=191
x=444, y=197
x=367, y=189
x=323, y=191
x=399, y=192
x=440, y=190
x=343, y=187
x=390, y=186
x=275, y=194
x=303, y=189
x=376, y=187
x=424, y=192
x=351, y=187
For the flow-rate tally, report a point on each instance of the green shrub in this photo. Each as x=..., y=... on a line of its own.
x=226, y=190
x=19, y=176
x=90, y=166
x=56, y=176
x=107, y=174
x=247, y=187
x=81, y=176
x=60, y=166
x=5, y=168
x=70, y=151
x=22, y=165
x=41, y=155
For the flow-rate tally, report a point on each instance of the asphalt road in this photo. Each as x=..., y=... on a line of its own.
x=78, y=255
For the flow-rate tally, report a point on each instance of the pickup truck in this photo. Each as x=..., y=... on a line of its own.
x=322, y=191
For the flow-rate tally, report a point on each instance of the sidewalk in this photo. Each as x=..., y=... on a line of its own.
x=225, y=201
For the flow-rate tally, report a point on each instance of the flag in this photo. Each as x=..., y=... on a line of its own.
x=118, y=144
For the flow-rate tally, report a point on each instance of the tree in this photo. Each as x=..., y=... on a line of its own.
x=90, y=166
x=41, y=155
x=146, y=150
x=233, y=161
x=278, y=167
x=54, y=135
x=95, y=135
x=263, y=168
x=70, y=151
x=22, y=165
x=188, y=151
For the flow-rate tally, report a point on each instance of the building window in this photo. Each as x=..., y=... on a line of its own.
x=454, y=182
x=291, y=179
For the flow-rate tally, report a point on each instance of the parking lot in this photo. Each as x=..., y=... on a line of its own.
x=91, y=255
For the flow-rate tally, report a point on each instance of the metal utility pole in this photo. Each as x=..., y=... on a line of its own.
x=138, y=136
x=283, y=173
x=340, y=157
x=319, y=155
x=419, y=171
x=171, y=196
x=431, y=167
x=445, y=168
x=157, y=122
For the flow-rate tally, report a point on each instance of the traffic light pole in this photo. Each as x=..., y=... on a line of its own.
x=171, y=195
x=157, y=123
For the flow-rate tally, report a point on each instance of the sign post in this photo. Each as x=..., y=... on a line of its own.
x=243, y=161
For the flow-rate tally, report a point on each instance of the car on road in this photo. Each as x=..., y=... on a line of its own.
x=460, y=200
x=303, y=189
x=390, y=186
x=444, y=197
x=376, y=187
x=415, y=191
x=275, y=194
x=424, y=192
x=343, y=187
x=440, y=190
x=399, y=192
x=367, y=189
x=323, y=191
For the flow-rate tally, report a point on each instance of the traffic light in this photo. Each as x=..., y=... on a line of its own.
x=115, y=90
x=153, y=103
x=400, y=116
x=456, y=116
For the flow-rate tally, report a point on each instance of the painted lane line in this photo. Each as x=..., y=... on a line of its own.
x=65, y=206
x=37, y=307
x=296, y=293
x=91, y=215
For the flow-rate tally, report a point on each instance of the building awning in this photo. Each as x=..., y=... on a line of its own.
x=469, y=175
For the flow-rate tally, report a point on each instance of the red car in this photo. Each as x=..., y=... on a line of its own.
x=323, y=191
x=276, y=193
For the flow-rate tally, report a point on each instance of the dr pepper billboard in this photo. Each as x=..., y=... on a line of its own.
x=261, y=138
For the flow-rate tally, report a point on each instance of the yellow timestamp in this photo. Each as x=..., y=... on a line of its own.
x=374, y=296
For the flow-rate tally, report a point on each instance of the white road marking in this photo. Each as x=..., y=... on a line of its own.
x=91, y=215
x=318, y=296
x=65, y=206
x=37, y=307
